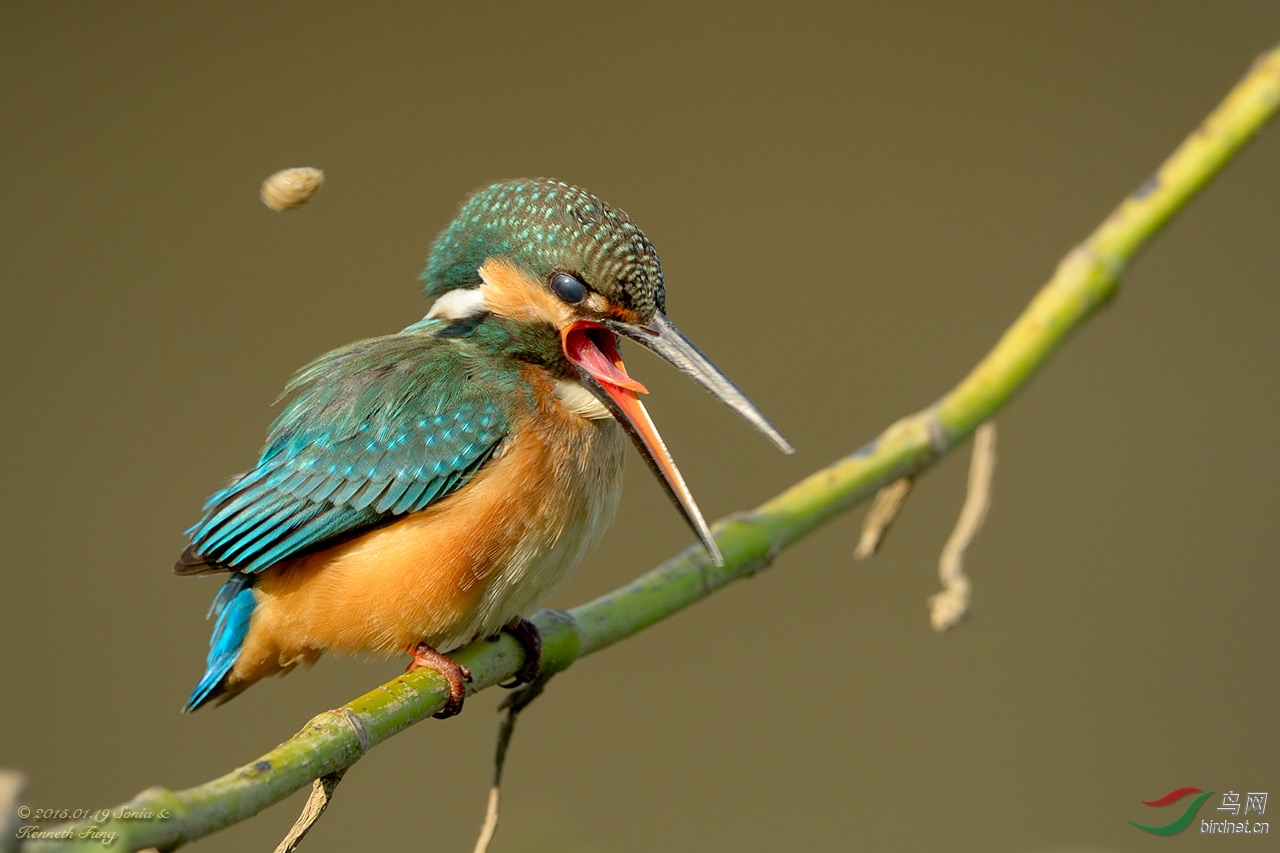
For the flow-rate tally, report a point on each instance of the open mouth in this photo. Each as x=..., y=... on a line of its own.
x=594, y=348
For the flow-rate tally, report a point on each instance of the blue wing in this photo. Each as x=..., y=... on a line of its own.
x=373, y=431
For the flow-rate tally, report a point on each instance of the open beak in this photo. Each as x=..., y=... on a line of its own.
x=593, y=350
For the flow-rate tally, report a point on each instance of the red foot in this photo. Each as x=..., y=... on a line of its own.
x=456, y=674
x=526, y=633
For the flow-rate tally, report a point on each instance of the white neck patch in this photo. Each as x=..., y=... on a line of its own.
x=577, y=399
x=458, y=304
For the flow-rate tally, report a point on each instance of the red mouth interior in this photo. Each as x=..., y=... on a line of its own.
x=594, y=349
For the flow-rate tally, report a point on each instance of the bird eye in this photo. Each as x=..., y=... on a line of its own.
x=568, y=288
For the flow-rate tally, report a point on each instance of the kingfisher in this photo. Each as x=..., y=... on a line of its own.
x=426, y=489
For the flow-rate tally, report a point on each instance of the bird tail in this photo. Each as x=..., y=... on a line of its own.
x=233, y=606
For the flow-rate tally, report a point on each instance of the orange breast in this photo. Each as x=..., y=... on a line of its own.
x=457, y=570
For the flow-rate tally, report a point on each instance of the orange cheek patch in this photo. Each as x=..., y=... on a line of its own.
x=510, y=292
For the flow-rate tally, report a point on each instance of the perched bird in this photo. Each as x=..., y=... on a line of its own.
x=428, y=488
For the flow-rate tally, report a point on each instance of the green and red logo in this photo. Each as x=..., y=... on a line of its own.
x=1183, y=820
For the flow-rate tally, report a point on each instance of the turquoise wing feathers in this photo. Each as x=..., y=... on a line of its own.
x=375, y=430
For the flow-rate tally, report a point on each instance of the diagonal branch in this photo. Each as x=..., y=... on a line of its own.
x=1085, y=280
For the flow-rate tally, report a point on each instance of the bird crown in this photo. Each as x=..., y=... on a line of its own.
x=547, y=227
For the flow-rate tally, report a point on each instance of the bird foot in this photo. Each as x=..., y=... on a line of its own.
x=528, y=636
x=531, y=639
x=455, y=673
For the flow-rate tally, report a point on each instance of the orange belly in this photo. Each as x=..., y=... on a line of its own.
x=454, y=572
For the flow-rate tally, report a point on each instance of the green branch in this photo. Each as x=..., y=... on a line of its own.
x=1085, y=279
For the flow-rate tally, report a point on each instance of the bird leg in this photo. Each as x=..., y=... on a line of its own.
x=527, y=635
x=455, y=673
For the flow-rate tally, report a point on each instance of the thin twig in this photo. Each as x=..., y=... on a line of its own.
x=949, y=607
x=512, y=705
x=884, y=509
x=321, y=795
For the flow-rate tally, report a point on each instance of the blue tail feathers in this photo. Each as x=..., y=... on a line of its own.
x=233, y=606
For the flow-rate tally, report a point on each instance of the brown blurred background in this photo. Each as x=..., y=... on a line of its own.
x=850, y=204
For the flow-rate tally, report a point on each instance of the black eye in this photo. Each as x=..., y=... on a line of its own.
x=568, y=288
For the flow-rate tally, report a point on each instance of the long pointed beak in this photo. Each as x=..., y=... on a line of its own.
x=594, y=352
x=662, y=337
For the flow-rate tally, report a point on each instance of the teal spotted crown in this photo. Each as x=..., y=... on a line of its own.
x=545, y=227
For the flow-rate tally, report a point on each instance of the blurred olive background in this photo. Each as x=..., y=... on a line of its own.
x=851, y=204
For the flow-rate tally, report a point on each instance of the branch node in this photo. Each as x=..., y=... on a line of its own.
x=1089, y=256
x=939, y=439
x=357, y=726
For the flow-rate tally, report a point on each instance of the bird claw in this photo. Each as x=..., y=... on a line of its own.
x=455, y=673
x=528, y=636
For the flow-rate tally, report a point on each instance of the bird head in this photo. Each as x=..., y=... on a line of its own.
x=556, y=259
